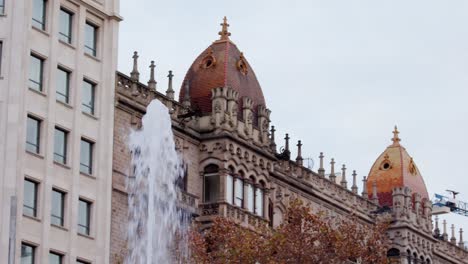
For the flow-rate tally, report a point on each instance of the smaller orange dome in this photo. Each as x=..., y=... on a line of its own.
x=395, y=168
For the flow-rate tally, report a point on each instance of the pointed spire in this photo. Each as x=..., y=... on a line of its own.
x=286, y=146
x=437, y=230
x=375, y=198
x=343, y=182
x=135, y=75
x=152, y=81
x=365, y=194
x=444, y=234
x=332, y=171
x=453, y=240
x=321, y=170
x=299, y=158
x=354, y=188
x=396, y=140
x=460, y=241
x=272, y=139
x=186, y=101
x=224, y=33
x=170, y=91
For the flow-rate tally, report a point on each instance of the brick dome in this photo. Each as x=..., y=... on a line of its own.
x=395, y=168
x=221, y=65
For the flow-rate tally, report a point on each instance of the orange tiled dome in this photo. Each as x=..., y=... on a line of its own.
x=221, y=65
x=395, y=168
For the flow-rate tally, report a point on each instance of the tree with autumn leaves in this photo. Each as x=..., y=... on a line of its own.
x=303, y=237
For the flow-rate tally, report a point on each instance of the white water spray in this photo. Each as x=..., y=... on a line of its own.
x=154, y=218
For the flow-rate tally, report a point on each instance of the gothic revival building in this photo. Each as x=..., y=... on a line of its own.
x=221, y=125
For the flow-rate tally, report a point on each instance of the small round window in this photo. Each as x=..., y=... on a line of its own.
x=386, y=166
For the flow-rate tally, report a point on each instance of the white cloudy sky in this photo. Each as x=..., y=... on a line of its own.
x=337, y=74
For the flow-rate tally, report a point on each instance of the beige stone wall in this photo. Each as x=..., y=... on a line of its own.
x=20, y=39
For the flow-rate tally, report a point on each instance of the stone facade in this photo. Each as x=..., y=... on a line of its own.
x=254, y=182
x=20, y=37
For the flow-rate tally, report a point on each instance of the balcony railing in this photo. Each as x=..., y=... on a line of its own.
x=234, y=213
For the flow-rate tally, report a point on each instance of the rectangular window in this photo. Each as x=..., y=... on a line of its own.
x=2, y=7
x=33, y=127
x=58, y=207
x=36, y=73
x=259, y=201
x=30, y=198
x=229, y=189
x=28, y=253
x=239, y=191
x=84, y=214
x=211, y=188
x=60, y=146
x=90, y=39
x=87, y=97
x=39, y=14
x=250, y=198
x=55, y=258
x=65, y=27
x=86, y=157
x=63, y=85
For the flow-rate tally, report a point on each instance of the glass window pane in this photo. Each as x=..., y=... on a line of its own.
x=57, y=208
x=65, y=26
x=259, y=202
x=35, y=73
x=39, y=13
x=83, y=217
x=211, y=188
x=30, y=198
x=250, y=198
x=32, y=135
x=60, y=146
x=63, y=85
x=2, y=7
x=229, y=189
x=86, y=155
x=27, y=254
x=239, y=190
x=87, y=98
x=55, y=258
x=90, y=39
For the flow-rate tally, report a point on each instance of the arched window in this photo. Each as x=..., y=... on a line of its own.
x=408, y=257
x=230, y=186
x=259, y=198
x=211, y=184
x=239, y=191
x=250, y=196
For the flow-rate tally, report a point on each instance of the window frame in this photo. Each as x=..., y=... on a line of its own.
x=63, y=37
x=91, y=51
x=44, y=16
x=60, y=255
x=38, y=135
x=65, y=145
x=67, y=84
x=62, y=209
x=1, y=52
x=92, y=107
x=239, y=197
x=91, y=152
x=39, y=82
x=33, y=247
x=2, y=7
x=35, y=208
x=87, y=227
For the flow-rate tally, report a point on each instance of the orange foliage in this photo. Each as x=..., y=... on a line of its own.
x=303, y=237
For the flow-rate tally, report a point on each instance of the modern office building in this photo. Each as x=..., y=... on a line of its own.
x=57, y=72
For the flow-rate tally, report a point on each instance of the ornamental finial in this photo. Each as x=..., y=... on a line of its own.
x=396, y=140
x=224, y=33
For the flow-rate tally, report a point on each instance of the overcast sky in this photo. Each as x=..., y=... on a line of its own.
x=336, y=74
